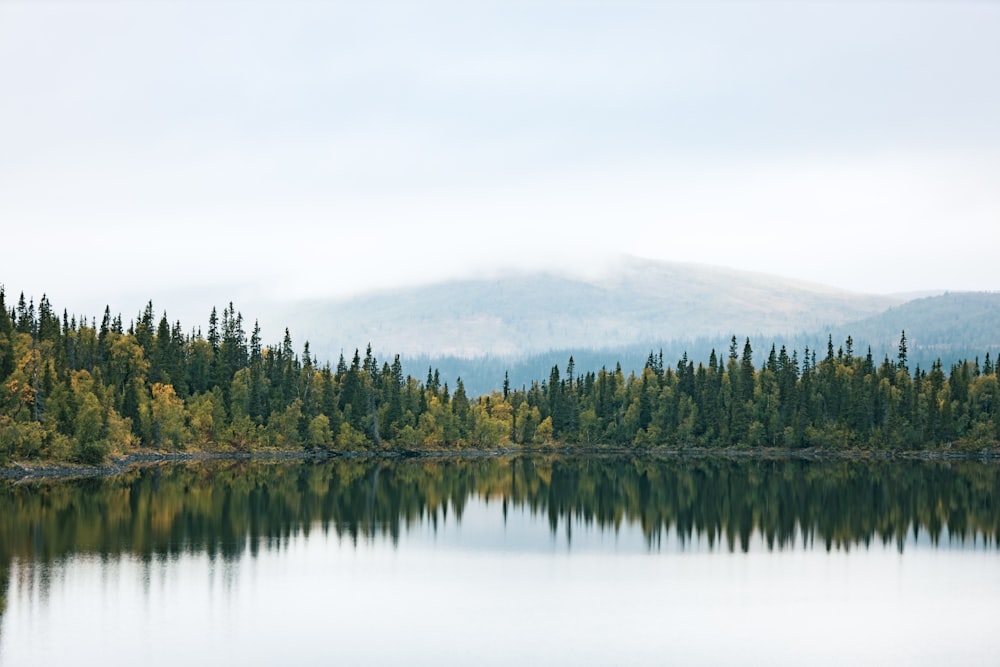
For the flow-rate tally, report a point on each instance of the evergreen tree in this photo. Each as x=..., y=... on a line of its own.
x=902, y=351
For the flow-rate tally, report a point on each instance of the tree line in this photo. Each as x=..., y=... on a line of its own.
x=77, y=390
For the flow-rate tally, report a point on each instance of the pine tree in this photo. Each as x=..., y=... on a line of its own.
x=213, y=330
x=902, y=352
x=48, y=322
x=25, y=322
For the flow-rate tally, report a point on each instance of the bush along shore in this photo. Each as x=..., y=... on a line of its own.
x=81, y=392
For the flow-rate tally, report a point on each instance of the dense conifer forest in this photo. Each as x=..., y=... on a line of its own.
x=78, y=390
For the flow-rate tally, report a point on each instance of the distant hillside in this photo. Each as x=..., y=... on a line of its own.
x=637, y=302
x=950, y=327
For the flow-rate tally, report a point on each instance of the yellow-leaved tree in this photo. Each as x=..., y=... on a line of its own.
x=167, y=411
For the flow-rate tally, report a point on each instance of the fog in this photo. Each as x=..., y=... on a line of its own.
x=201, y=152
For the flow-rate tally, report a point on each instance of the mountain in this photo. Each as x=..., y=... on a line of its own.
x=636, y=301
x=951, y=327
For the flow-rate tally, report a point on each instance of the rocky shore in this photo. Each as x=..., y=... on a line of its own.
x=118, y=465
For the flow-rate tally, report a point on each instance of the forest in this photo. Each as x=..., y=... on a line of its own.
x=73, y=390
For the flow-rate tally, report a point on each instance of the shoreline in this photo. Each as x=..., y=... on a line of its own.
x=27, y=472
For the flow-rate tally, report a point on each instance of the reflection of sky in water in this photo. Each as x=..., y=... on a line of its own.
x=487, y=591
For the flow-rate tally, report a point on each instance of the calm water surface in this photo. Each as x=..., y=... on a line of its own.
x=505, y=560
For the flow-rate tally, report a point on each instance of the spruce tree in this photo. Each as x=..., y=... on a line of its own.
x=902, y=352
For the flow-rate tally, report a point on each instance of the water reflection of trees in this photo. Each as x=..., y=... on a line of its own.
x=228, y=509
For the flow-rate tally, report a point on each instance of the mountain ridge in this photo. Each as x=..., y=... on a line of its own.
x=951, y=327
x=523, y=313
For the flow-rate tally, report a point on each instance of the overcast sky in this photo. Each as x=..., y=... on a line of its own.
x=334, y=147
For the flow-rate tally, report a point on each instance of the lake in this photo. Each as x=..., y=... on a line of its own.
x=560, y=560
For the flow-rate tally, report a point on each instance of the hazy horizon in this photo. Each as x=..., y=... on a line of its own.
x=280, y=151
x=192, y=305
x=439, y=328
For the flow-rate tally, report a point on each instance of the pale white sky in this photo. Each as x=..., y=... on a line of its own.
x=202, y=147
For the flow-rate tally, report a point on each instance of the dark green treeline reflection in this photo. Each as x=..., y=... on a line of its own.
x=230, y=508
